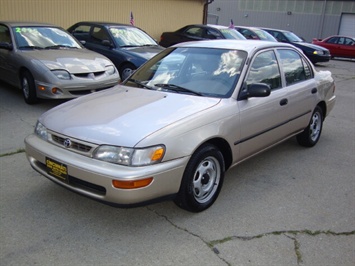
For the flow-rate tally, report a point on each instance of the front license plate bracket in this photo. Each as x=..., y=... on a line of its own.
x=57, y=169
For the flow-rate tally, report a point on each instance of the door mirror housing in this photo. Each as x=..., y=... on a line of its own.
x=255, y=90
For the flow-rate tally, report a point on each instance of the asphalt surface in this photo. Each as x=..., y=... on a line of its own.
x=288, y=206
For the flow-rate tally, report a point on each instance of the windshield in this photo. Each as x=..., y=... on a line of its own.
x=207, y=72
x=292, y=37
x=43, y=38
x=232, y=34
x=263, y=35
x=131, y=37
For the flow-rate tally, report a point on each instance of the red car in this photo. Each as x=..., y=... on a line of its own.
x=339, y=46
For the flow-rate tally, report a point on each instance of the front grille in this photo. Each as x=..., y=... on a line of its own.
x=90, y=75
x=90, y=187
x=84, y=92
x=71, y=144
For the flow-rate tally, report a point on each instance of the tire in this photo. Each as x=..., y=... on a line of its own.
x=28, y=88
x=126, y=71
x=310, y=136
x=202, y=180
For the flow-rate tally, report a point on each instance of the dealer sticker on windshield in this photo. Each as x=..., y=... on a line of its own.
x=57, y=169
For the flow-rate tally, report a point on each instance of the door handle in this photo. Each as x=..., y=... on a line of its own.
x=283, y=102
x=314, y=91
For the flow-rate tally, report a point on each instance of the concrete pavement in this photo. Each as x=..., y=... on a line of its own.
x=287, y=206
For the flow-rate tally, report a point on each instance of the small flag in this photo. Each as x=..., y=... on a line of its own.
x=231, y=25
x=132, y=19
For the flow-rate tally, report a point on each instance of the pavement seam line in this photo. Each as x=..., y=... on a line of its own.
x=12, y=153
x=214, y=249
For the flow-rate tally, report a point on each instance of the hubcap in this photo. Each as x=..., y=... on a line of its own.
x=125, y=73
x=25, y=88
x=206, y=179
x=315, y=126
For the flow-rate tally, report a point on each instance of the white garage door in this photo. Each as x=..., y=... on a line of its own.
x=347, y=25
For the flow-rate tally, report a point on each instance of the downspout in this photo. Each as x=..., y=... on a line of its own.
x=322, y=20
x=205, y=11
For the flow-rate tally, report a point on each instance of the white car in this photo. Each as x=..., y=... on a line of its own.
x=180, y=121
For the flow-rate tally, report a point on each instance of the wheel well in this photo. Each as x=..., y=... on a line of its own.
x=225, y=149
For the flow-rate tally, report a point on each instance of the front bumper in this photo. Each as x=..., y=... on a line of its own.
x=73, y=89
x=93, y=178
x=319, y=58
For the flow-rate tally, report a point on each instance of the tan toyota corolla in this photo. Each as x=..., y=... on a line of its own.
x=174, y=127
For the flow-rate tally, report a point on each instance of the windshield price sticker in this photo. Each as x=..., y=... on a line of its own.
x=31, y=30
x=57, y=169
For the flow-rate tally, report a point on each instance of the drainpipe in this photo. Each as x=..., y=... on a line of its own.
x=322, y=20
x=205, y=11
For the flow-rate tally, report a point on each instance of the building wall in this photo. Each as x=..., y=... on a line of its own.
x=153, y=16
x=307, y=18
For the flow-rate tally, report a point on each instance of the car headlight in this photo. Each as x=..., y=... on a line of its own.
x=318, y=52
x=41, y=131
x=61, y=74
x=130, y=156
x=110, y=70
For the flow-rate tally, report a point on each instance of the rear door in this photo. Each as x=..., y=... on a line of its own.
x=301, y=89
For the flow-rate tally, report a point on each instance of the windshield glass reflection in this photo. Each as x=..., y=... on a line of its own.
x=204, y=71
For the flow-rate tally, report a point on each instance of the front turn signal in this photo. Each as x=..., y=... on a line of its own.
x=132, y=184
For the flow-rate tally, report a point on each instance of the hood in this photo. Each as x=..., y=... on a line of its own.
x=145, y=52
x=73, y=60
x=309, y=45
x=122, y=116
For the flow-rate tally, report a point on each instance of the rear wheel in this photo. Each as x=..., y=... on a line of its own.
x=310, y=136
x=28, y=88
x=202, y=179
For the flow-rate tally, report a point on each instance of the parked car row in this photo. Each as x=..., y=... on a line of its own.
x=27, y=60
x=45, y=61
x=316, y=51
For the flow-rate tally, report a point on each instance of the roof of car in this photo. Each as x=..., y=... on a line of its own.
x=206, y=26
x=26, y=23
x=274, y=29
x=246, y=45
x=247, y=27
x=103, y=23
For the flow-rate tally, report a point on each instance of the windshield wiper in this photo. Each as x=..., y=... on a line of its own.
x=141, y=84
x=176, y=88
x=31, y=47
x=59, y=46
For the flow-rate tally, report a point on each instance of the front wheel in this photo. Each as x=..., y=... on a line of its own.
x=202, y=179
x=28, y=88
x=310, y=136
x=126, y=70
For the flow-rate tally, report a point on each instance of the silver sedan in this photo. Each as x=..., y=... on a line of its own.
x=46, y=62
x=180, y=121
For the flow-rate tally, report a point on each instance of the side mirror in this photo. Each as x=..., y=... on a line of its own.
x=6, y=46
x=106, y=43
x=255, y=90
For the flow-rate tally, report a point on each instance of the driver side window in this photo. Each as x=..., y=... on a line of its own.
x=264, y=69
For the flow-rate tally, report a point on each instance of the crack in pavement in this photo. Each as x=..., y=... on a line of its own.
x=291, y=234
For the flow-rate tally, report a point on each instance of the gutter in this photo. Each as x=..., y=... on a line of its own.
x=205, y=11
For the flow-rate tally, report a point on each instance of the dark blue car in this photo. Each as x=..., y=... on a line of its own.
x=127, y=46
x=315, y=53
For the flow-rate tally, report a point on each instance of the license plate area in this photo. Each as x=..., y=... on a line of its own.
x=57, y=169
